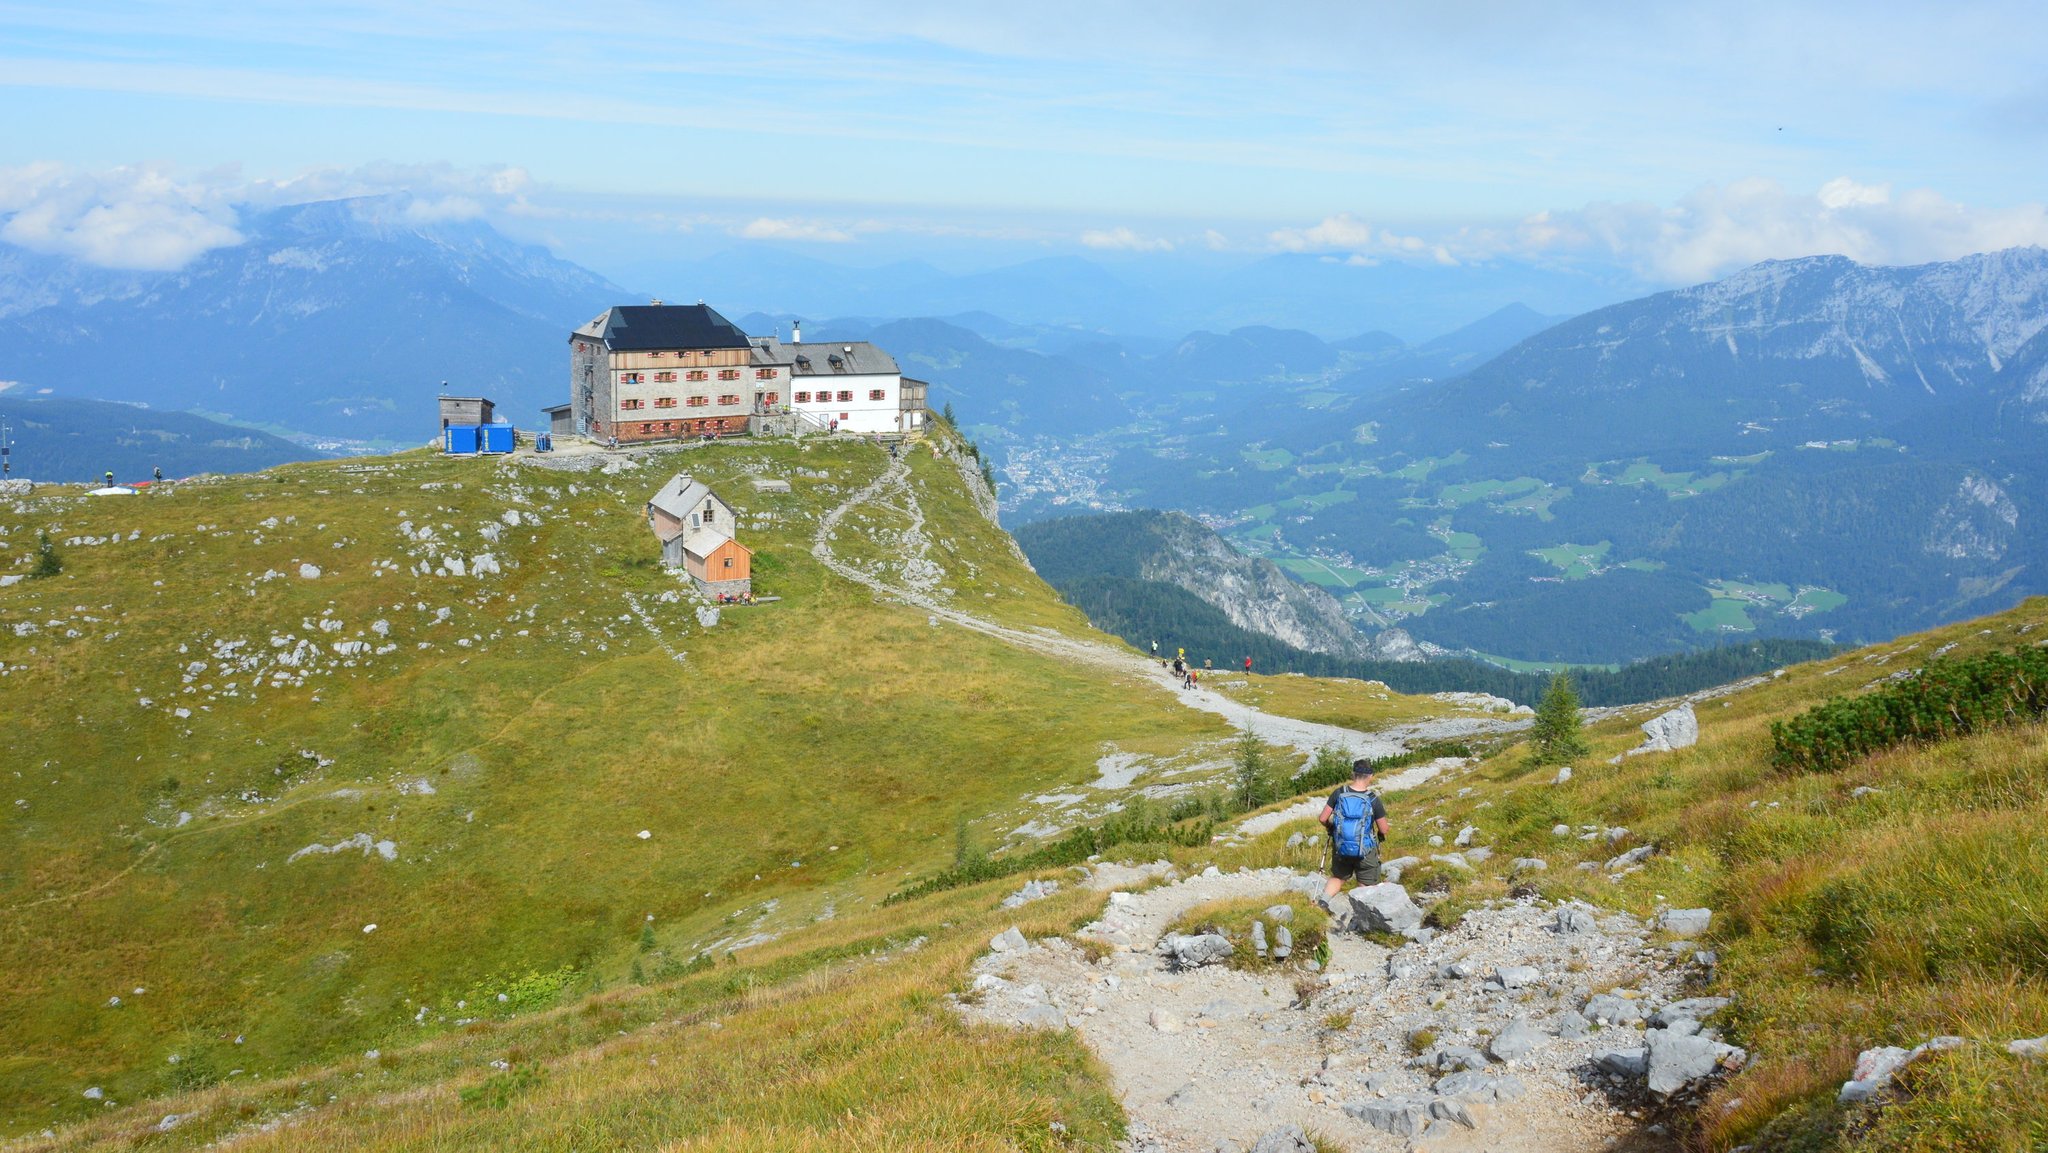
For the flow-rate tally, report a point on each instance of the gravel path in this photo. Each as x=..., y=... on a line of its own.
x=1210, y=1058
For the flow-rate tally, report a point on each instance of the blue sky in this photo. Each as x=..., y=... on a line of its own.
x=1677, y=142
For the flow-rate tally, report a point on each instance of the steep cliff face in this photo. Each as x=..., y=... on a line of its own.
x=1171, y=548
x=1251, y=591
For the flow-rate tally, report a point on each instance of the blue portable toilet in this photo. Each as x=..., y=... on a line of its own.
x=496, y=438
x=460, y=439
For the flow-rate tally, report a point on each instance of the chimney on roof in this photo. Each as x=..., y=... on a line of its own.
x=656, y=301
x=796, y=332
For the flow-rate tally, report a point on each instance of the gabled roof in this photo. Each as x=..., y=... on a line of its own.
x=710, y=542
x=818, y=358
x=682, y=496
x=644, y=327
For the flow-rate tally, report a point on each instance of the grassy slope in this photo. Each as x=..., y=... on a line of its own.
x=810, y=753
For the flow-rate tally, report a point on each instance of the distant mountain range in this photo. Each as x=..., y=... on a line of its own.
x=1809, y=447
x=339, y=320
x=59, y=439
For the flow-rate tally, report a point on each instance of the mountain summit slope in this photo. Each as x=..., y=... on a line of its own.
x=351, y=754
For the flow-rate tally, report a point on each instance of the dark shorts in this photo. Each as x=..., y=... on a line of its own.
x=1364, y=870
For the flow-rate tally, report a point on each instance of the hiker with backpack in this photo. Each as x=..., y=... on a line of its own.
x=1357, y=821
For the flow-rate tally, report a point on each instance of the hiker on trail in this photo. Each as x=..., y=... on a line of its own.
x=110, y=478
x=1357, y=821
x=158, y=473
x=1247, y=664
x=1180, y=669
x=1155, y=648
x=1208, y=664
x=1178, y=654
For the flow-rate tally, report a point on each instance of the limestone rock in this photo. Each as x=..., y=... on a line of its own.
x=1529, y=865
x=1635, y=856
x=1516, y=1041
x=1518, y=976
x=1623, y=1062
x=1401, y=1116
x=1452, y=1109
x=1285, y=1139
x=1190, y=951
x=1385, y=908
x=1690, y=1009
x=1874, y=1069
x=2035, y=1047
x=1677, y=729
x=1613, y=1010
x=1165, y=1022
x=1685, y=922
x=1010, y=940
x=1678, y=1060
x=1571, y=919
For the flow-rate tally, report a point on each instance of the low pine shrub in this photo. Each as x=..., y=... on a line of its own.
x=1947, y=699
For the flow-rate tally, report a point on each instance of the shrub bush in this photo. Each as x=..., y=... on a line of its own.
x=1948, y=698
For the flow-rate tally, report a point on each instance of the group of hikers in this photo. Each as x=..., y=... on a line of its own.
x=1184, y=669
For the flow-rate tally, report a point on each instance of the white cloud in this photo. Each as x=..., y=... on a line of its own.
x=1124, y=240
x=1342, y=231
x=445, y=208
x=770, y=228
x=137, y=217
x=1717, y=229
x=1707, y=234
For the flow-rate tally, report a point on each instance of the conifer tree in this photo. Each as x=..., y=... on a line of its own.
x=1555, y=739
x=1254, y=773
x=47, y=564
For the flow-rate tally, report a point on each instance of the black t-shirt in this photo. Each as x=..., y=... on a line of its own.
x=1379, y=810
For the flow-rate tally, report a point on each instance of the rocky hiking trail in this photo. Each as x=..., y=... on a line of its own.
x=1525, y=1027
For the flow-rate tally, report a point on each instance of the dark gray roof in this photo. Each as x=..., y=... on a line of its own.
x=643, y=327
x=556, y=408
x=825, y=358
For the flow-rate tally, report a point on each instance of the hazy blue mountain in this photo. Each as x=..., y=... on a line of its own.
x=1134, y=298
x=340, y=318
x=1778, y=354
x=58, y=439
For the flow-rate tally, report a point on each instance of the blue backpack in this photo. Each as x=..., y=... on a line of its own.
x=1353, y=828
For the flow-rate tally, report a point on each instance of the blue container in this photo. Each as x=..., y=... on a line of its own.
x=496, y=438
x=460, y=439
